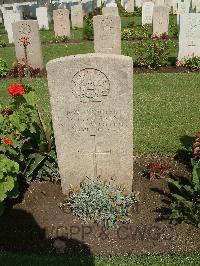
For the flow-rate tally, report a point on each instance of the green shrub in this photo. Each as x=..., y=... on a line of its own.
x=100, y=201
x=173, y=30
x=186, y=204
x=153, y=53
x=135, y=33
x=3, y=68
x=25, y=140
x=88, y=31
x=8, y=180
x=2, y=42
x=193, y=63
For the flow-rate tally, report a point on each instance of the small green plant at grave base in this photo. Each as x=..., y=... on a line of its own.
x=101, y=201
x=135, y=33
x=61, y=39
x=3, y=68
x=193, y=63
x=173, y=30
x=25, y=140
x=153, y=53
x=8, y=177
x=186, y=205
x=2, y=42
x=138, y=12
x=88, y=31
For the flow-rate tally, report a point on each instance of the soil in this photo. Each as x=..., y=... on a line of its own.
x=37, y=224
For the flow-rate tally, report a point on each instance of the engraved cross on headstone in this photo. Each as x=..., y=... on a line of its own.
x=94, y=153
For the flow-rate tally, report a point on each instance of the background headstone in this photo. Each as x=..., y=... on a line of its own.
x=110, y=11
x=61, y=22
x=147, y=13
x=10, y=17
x=183, y=7
x=138, y=3
x=160, y=20
x=189, y=37
x=92, y=111
x=42, y=17
x=77, y=16
x=107, y=34
x=130, y=6
x=28, y=29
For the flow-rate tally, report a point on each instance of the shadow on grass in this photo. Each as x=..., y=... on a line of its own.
x=20, y=234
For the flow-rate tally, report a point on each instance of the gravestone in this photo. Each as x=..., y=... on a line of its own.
x=138, y=3
x=168, y=4
x=77, y=16
x=147, y=13
x=129, y=7
x=107, y=34
x=10, y=17
x=110, y=11
x=61, y=22
x=159, y=2
x=42, y=18
x=160, y=20
x=189, y=37
x=198, y=6
x=92, y=111
x=175, y=6
x=27, y=30
x=194, y=2
x=183, y=7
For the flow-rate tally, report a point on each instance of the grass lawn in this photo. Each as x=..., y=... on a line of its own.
x=166, y=108
x=29, y=260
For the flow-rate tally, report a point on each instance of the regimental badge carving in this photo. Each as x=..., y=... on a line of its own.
x=25, y=29
x=90, y=85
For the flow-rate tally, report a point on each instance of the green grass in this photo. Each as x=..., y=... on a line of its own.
x=166, y=108
x=31, y=260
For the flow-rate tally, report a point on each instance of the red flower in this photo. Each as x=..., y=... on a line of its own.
x=7, y=141
x=178, y=63
x=16, y=89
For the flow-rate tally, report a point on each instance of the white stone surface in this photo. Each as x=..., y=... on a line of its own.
x=42, y=17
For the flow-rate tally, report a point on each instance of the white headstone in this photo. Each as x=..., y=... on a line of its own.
x=147, y=13
x=42, y=17
x=183, y=7
x=92, y=111
x=189, y=37
x=77, y=16
x=10, y=17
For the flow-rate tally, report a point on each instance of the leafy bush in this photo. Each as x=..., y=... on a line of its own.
x=88, y=31
x=2, y=42
x=3, y=68
x=135, y=33
x=8, y=179
x=193, y=63
x=173, y=30
x=153, y=53
x=100, y=201
x=25, y=140
x=20, y=69
x=186, y=205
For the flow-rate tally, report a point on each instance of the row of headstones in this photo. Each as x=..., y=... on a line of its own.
x=11, y=16
x=107, y=34
x=178, y=8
